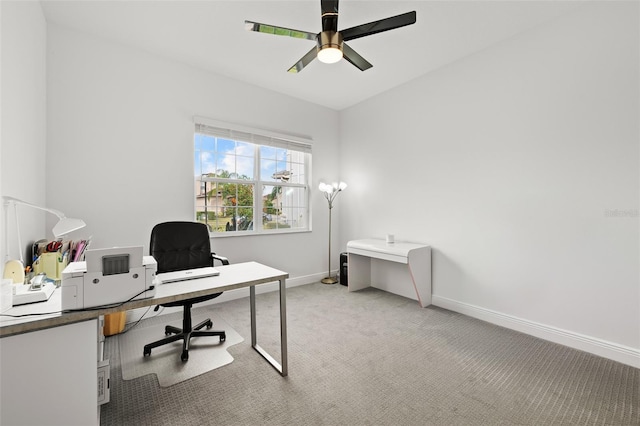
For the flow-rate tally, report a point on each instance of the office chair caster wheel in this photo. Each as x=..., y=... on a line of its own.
x=209, y=325
x=146, y=352
x=223, y=338
x=185, y=356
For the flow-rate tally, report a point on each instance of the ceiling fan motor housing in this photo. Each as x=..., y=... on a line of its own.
x=329, y=39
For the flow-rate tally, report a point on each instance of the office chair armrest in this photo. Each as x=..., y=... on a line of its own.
x=222, y=259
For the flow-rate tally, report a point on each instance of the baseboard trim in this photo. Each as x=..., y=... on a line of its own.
x=239, y=293
x=603, y=348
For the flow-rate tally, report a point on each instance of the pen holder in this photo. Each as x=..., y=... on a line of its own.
x=52, y=264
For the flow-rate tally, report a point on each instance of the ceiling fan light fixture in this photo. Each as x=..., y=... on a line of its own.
x=329, y=55
x=329, y=47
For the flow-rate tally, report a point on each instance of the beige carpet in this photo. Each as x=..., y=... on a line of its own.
x=371, y=358
x=205, y=353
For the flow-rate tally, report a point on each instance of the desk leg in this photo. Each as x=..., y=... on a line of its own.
x=359, y=272
x=283, y=327
x=282, y=369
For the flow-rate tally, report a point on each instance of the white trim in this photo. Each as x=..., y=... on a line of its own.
x=301, y=146
x=603, y=348
x=300, y=139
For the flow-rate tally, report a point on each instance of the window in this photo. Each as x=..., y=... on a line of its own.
x=250, y=181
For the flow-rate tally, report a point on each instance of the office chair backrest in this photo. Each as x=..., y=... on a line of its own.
x=180, y=245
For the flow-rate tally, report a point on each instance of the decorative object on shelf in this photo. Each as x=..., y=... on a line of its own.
x=330, y=192
x=64, y=226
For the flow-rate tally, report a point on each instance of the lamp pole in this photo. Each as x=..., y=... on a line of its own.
x=330, y=192
x=329, y=279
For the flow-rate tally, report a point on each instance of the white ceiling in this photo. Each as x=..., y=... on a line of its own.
x=211, y=35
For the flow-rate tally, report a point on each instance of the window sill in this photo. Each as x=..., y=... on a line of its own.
x=255, y=234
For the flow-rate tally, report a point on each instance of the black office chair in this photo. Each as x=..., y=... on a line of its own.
x=177, y=246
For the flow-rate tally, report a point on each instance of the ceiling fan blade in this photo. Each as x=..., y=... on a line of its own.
x=329, y=15
x=354, y=58
x=281, y=31
x=304, y=61
x=379, y=26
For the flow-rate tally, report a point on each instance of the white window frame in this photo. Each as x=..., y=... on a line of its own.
x=259, y=138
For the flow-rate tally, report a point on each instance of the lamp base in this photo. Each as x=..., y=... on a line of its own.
x=329, y=280
x=14, y=270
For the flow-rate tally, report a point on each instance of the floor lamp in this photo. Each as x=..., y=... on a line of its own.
x=330, y=192
x=64, y=226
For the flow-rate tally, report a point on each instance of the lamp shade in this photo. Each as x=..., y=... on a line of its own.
x=66, y=225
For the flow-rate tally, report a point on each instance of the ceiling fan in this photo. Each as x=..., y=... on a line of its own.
x=330, y=43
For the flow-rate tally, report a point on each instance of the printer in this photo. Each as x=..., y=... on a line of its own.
x=107, y=277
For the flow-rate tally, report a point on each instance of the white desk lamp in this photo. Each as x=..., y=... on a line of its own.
x=64, y=226
x=330, y=192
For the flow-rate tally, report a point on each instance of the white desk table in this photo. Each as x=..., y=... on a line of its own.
x=405, y=270
x=22, y=344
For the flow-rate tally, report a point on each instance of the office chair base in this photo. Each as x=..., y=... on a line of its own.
x=175, y=334
x=168, y=330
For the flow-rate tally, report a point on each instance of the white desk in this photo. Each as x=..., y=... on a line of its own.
x=400, y=268
x=48, y=363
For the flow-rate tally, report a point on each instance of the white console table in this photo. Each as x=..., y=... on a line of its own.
x=400, y=268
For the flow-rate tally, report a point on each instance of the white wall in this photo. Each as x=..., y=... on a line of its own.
x=510, y=163
x=22, y=120
x=120, y=142
x=22, y=165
